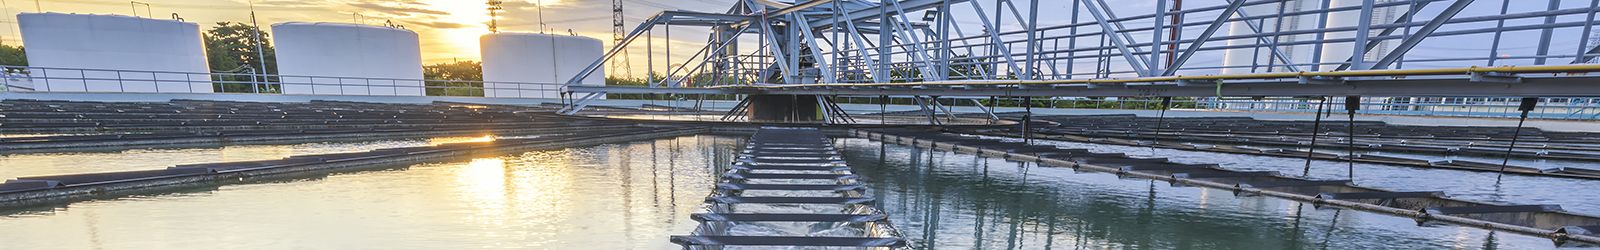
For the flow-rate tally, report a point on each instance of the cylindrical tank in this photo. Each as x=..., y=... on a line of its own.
x=114, y=53
x=1248, y=59
x=348, y=59
x=535, y=65
x=1332, y=54
x=1335, y=53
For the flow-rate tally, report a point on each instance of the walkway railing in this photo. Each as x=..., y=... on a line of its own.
x=1560, y=108
x=83, y=80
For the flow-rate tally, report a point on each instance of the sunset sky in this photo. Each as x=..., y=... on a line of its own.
x=449, y=29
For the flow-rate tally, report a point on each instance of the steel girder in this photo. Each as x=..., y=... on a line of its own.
x=906, y=47
x=1573, y=86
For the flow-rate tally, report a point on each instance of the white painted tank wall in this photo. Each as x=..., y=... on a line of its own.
x=535, y=65
x=1340, y=52
x=1240, y=60
x=348, y=59
x=155, y=55
x=1332, y=54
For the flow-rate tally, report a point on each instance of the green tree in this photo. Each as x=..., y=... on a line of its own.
x=13, y=55
x=230, y=48
x=441, y=77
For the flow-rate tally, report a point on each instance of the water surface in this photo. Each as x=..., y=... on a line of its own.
x=634, y=195
x=944, y=200
x=621, y=196
x=36, y=164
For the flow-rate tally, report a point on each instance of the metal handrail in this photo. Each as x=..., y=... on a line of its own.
x=93, y=80
x=1577, y=68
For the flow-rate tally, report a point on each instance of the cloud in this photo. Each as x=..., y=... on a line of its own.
x=291, y=3
x=403, y=9
x=530, y=5
x=441, y=25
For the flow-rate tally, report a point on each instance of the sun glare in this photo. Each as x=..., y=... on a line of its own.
x=447, y=140
x=474, y=18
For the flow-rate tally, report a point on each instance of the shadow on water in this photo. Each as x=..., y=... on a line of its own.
x=944, y=200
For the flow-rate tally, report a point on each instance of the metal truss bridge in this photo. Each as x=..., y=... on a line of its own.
x=1091, y=48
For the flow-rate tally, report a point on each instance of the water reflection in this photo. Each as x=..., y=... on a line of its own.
x=1481, y=186
x=943, y=200
x=632, y=196
x=624, y=196
x=35, y=164
x=455, y=139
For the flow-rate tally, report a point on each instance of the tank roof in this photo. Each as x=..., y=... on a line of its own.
x=531, y=34
x=103, y=16
x=338, y=24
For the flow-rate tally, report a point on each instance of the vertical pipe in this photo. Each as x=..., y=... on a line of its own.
x=1351, y=104
x=1166, y=103
x=1027, y=120
x=883, y=109
x=1316, y=126
x=1527, y=104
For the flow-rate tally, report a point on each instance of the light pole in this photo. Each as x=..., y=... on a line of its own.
x=261, y=54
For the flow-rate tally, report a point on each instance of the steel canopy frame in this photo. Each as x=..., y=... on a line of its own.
x=829, y=42
x=1531, y=86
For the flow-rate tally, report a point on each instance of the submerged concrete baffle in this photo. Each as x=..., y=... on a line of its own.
x=784, y=108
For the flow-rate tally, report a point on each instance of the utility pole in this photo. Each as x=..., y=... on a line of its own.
x=261, y=54
x=542, y=28
x=617, y=33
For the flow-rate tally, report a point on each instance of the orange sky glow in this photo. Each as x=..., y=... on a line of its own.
x=448, y=29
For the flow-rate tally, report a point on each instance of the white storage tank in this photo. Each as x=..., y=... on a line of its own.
x=348, y=59
x=1333, y=54
x=114, y=53
x=532, y=65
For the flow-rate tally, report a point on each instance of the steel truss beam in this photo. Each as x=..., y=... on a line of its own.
x=1571, y=86
x=921, y=57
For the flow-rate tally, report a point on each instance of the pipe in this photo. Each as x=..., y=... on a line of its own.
x=1577, y=68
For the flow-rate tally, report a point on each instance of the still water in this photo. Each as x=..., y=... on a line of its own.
x=1479, y=186
x=943, y=200
x=621, y=196
x=634, y=195
x=36, y=164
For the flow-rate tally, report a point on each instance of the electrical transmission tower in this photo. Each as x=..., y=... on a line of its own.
x=617, y=33
x=494, y=15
